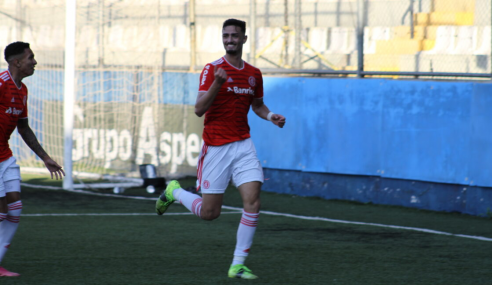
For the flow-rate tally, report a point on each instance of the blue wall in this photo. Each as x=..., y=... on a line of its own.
x=409, y=130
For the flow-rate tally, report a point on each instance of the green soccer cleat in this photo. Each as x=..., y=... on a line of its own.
x=241, y=271
x=166, y=198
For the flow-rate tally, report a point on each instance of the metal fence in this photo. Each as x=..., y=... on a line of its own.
x=129, y=108
x=350, y=37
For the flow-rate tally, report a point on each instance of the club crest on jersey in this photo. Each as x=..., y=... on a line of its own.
x=238, y=90
x=252, y=81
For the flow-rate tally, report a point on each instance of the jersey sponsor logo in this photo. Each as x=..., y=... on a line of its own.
x=238, y=90
x=13, y=100
x=252, y=81
x=230, y=79
x=13, y=111
x=204, y=77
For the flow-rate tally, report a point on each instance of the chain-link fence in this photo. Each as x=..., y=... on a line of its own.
x=133, y=102
x=331, y=36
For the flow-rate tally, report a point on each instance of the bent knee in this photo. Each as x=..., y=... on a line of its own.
x=210, y=215
x=253, y=206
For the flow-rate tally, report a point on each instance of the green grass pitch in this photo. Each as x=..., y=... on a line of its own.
x=182, y=249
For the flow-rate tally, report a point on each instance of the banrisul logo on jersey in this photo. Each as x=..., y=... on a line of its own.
x=238, y=90
x=13, y=111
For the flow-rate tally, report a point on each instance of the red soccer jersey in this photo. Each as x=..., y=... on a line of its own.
x=226, y=120
x=13, y=106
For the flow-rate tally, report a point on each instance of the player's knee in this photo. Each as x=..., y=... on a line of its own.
x=209, y=215
x=252, y=206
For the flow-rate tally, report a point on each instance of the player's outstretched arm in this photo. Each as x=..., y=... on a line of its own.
x=262, y=111
x=54, y=168
x=32, y=142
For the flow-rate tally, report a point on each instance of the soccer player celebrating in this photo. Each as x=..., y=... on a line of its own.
x=228, y=87
x=13, y=113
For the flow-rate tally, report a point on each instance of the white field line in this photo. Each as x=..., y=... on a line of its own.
x=239, y=210
x=112, y=214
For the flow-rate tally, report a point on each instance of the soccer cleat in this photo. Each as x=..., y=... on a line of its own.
x=5, y=273
x=166, y=198
x=241, y=271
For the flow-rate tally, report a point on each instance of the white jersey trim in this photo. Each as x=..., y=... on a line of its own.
x=5, y=77
x=218, y=61
x=244, y=64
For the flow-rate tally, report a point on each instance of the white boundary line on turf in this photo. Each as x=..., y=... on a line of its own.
x=262, y=212
x=111, y=214
x=87, y=192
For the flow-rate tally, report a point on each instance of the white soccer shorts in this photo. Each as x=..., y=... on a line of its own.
x=217, y=165
x=9, y=170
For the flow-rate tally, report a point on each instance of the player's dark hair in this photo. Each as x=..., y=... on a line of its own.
x=15, y=48
x=235, y=22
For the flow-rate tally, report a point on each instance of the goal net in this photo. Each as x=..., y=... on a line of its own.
x=128, y=109
x=136, y=74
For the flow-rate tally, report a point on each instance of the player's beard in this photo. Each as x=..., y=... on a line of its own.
x=235, y=49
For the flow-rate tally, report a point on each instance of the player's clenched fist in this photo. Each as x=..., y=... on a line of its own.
x=220, y=75
x=278, y=120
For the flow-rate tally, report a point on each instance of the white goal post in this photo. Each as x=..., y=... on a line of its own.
x=69, y=94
